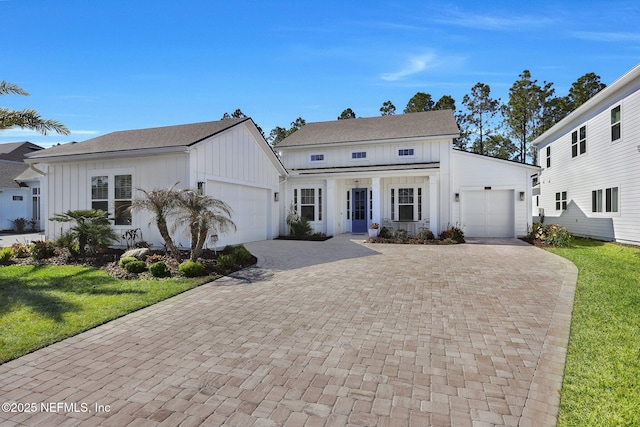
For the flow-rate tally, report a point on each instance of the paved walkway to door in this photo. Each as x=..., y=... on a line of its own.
x=328, y=333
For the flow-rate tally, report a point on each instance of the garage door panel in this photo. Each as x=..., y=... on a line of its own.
x=488, y=213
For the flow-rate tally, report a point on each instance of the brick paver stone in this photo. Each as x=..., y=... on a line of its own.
x=323, y=333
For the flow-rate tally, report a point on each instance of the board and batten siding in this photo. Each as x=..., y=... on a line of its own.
x=67, y=186
x=378, y=153
x=605, y=164
x=472, y=172
x=237, y=167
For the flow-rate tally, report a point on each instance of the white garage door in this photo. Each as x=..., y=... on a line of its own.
x=488, y=213
x=250, y=211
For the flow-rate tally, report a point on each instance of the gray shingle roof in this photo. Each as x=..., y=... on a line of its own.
x=413, y=125
x=16, y=151
x=9, y=171
x=160, y=137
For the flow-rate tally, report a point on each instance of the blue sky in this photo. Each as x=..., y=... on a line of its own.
x=103, y=66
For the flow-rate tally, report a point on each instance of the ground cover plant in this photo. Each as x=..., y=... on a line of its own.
x=42, y=304
x=601, y=385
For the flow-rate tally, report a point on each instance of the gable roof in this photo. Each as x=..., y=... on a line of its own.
x=411, y=125
x=626, y=84
x=9, y=171
x=141, y=139
x=17, y=151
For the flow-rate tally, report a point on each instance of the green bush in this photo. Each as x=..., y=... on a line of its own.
x=20, y=224
x=425, y=234
x=242, y=254
x=550, y=234
x=191, y=268
x=126, y=260
x=42, y=249
x=385, y=233
x=68, y=241
x=401, y=235
x=5, y=256
x=301, y=228
x=159, y=269
x=452, y=233
x=20, y=250
x=226, y=261
x=135, y=266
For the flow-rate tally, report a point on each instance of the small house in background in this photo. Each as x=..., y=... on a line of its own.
x=227, y=159
x=403, y=172
x=19, y=186
x=589, y=180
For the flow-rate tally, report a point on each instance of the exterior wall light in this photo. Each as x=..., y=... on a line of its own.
x=276, y=196
x=457, y=197
x=522, y=196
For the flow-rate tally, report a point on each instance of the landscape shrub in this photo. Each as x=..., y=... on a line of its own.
x=126, y=260
x=452, y=233
x=42, y=249
x=68, y=241
x=301, y=228
x=20, y=250
x=159, y=269
x=191, y=268
x=20, y=224
x=5, y=256
x=425, y=234
x=550, y=234
x=135, y=266
x=385, y=233
x=226, y=261
x=401, y=235
x=242, y=254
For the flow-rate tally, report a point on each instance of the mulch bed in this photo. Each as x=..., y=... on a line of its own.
x=109, y=259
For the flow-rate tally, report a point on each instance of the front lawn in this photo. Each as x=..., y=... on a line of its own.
x=601, y=384
x=43, y=304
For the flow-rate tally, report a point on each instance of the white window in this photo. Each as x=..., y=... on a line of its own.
x=406, y=204
x=317, y=158
x=35, y=203
x=310, y=203
x=17, y=198
x=548, y=156
x=116, y=191
x=579, y=141
x=606, y=199
x=405, y=152
x=358, y=155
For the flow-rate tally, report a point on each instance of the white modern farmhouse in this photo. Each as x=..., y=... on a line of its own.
x=228, y=159
x=590, y=176
x=401, y=171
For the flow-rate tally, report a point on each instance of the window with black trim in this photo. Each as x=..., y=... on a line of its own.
x=317, y=158
x=579, y=141
x=561, y=201
x=357, y=155
x=548, y=156
x=615, y=123
x=403, y=152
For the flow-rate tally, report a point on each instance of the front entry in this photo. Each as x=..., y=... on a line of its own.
x=359, y=210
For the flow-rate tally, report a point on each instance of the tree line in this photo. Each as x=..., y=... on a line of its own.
x=488, y=125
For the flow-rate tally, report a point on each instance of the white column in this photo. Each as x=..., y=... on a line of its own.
x=434, y=204
x=331, y=211
x=376, y=199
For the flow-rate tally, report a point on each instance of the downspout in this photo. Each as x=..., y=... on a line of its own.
x=36, y=170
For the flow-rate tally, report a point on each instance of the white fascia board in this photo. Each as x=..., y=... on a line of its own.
x=108, y=154
x=495, y=159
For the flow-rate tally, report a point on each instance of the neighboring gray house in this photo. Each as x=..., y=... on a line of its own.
x=589, y=180
x=228, y=159
x=19, y=185
x=401, y=171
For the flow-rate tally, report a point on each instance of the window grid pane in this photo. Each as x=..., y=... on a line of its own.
x=123, y=187
x=99, y=187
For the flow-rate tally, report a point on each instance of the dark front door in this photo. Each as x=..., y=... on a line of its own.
x=359, y=210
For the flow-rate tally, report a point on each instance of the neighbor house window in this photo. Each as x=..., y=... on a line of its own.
x=317, y=158
x=17, y=198
x=356, y=155
x=596, y=201
x=402, y=152
x=348, y=204
x=35, y=203
x=548, y=156
x=615, y=123
x=611, y=199
x=116, y=191
x=561, y=201
x=579, y=141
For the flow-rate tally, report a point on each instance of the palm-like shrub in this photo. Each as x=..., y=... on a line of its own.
x=202, y=216
x=92, y=229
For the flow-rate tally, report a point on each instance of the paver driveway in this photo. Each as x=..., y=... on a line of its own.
x=323, y=333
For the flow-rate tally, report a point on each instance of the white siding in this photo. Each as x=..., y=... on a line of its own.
x=606, y=164
x=11, y=209
x=378, y=153
x=475, y=173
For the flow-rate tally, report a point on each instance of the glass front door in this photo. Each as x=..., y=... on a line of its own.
x=359, y=210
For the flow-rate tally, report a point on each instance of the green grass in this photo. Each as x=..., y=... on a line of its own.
x=602, y=377
x=40, y=305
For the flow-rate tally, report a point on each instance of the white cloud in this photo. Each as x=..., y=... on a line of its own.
x=27, y=133
x=415, y=65
x=607, y=36
x=496, y=23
